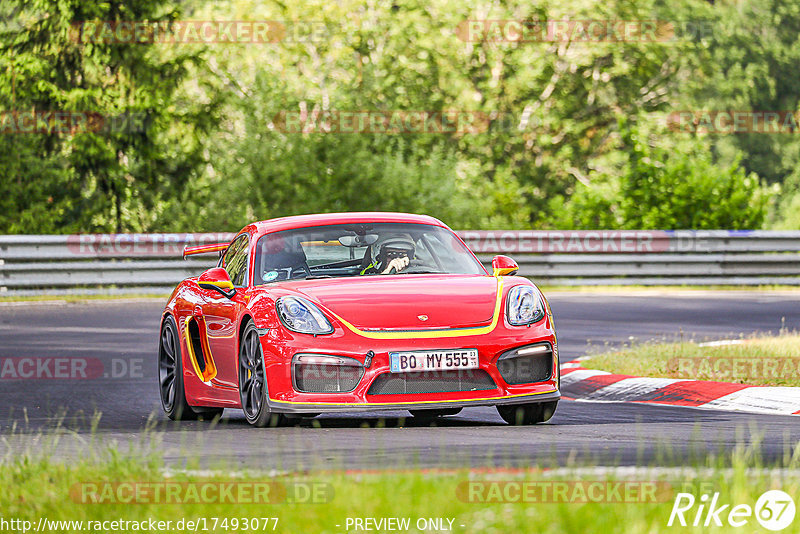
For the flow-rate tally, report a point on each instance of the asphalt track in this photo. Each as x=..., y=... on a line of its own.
x=585, y=432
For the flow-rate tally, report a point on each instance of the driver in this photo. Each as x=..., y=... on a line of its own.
x=394, y=254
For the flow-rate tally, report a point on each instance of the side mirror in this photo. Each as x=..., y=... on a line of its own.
x=504, y=266
x=217, y=279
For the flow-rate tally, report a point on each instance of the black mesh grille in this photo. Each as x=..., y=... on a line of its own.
x=431, y=382
x=320, y=378
x=526, y=369
x=197, y=345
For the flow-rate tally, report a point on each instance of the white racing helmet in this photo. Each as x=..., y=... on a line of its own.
x=390, y=242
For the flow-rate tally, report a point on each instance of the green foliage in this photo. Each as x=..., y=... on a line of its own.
x=575, y=137
x=790, y=213
x=786, y=209
x=313, y=174
x=666, y=186
x=593, y=205
x=679, y=186
x=37, y=192
x=95, y=179
x=753, y=57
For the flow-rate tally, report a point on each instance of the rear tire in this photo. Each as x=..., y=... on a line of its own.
x=429, y=415
x=253, y=391
x=527, y=414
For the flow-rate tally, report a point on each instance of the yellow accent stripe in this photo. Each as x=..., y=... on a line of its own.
x=409, y=402
x=192, y=358
x=221, y=284
x=211, y=368
x=436, y=334
x=503, y=271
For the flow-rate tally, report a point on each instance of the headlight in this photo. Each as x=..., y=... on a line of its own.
x=524, y=306
x=300, y=315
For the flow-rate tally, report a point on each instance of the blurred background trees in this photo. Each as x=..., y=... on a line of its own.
x=578, y=136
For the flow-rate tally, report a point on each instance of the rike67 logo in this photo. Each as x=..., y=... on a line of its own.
x=774, y=510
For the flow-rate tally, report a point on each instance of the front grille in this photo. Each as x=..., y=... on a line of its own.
x=320, y=378
x=431, y=382
x=525, y=369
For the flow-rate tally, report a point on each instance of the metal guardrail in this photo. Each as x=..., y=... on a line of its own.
x=146, y=263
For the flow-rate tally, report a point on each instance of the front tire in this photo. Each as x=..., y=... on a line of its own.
x=253, y=391
x=527, y=414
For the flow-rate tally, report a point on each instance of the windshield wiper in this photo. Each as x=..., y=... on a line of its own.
x=317, y=277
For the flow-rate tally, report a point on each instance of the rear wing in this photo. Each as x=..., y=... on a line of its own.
x=204, y=249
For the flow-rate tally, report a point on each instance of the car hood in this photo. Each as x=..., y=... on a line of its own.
x=407, y=302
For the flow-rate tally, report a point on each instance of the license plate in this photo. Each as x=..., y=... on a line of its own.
x=434, y=360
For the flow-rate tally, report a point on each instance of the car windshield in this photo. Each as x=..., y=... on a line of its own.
x=371, y=249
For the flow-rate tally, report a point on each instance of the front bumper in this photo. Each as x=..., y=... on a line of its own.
x=280, y=346
x=282, y=407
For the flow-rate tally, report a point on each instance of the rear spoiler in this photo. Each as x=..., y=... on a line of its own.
x=204, y=249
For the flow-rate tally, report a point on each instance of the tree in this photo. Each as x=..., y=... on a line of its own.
x=142, y=143
x=751, y=60
x=667, y=186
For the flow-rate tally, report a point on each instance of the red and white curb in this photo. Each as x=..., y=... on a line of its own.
x=601, y=386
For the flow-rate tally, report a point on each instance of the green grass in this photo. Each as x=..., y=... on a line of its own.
x=34, y=486
x=768, y=361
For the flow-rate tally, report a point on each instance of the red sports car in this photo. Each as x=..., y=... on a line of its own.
x=353, y=312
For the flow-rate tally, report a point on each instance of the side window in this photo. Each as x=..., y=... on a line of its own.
x=235, y=261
